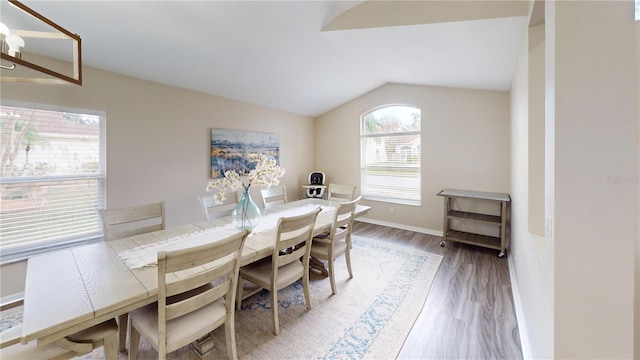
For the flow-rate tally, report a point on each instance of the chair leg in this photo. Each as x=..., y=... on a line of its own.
x=332, y=276
x=347, y=255
x=230, y=334
x=274, y=306
x=305, y=288
x=134, y=341
x=239, y=293
x=123, y=321
x=110, y=345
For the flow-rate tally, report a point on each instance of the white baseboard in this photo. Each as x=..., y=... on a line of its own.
x=522, y=328
x=401, y=226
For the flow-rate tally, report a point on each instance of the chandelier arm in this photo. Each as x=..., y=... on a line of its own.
x=11, y=67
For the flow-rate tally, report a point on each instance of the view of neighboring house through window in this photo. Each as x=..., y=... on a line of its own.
x=52, y=178
x=390, y=154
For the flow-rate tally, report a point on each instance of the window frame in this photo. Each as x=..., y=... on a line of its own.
x=363, y=159
x=24, y=251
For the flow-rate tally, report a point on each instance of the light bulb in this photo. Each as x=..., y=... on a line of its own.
x=15, y=42
x=4, y=30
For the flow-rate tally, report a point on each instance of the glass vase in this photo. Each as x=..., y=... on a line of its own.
x=246, y=214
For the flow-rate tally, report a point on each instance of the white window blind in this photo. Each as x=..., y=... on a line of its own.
x=390, y=154
x=52, y=178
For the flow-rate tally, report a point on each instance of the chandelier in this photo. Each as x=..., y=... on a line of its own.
x=34, y=49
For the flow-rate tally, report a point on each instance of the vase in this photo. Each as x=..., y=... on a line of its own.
x=246, y=214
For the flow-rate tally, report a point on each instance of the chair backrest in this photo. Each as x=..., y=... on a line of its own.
x=211, y=270
x=339, y=192
x=123, y=222
x=274, y=195
x=343, y=220
x=293, y=240
x=316, y=178
x=213, y=210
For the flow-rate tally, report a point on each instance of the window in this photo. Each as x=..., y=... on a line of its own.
x=390, y=154
x=52, y=178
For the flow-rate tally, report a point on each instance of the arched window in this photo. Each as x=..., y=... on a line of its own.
x=390, y=154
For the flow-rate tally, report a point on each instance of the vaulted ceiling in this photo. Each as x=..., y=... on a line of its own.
x=303, y=57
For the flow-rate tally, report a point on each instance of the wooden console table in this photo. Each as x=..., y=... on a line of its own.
x=499, y=199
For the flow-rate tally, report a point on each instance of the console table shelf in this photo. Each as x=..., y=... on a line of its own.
x=491, y=242
x=491, y=219
x=501, y=201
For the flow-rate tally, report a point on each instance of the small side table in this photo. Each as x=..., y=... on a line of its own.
x=449, y=234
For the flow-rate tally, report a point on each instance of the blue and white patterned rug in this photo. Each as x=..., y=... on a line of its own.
x=369, y=317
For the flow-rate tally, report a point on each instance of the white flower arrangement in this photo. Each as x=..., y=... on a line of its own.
x=266, y=173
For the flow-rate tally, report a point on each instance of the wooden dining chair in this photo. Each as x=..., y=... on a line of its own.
x=338, y=192
x=81, y=343
x=274, y=195
x=199, y=302
x=283, y=267
x=118, y=223
x=337, y=242
x=213, y=210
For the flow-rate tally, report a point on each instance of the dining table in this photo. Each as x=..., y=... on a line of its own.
x=73, y=289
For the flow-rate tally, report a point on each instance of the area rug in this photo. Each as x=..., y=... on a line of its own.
x=369, y=317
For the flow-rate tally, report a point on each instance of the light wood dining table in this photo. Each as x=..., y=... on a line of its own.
x=70, y=290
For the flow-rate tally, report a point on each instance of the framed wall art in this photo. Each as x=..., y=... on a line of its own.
x=240, y=150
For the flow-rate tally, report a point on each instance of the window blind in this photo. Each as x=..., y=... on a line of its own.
x=52, y=178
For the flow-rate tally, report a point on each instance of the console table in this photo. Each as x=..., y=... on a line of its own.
x=501, y=203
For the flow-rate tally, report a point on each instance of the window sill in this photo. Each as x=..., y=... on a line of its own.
x=16, y=255
x=392, y=201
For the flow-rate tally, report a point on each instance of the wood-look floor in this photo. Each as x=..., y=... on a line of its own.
x=469, y=313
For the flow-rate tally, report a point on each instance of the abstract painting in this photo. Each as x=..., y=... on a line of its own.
x=240, y=150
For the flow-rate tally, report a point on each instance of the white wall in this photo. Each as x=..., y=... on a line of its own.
x=536, y=120
x=577, y=293
x=531, y=260
x=637, y=315
x=465, y=145
x=596, y=162
x=158, y=140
